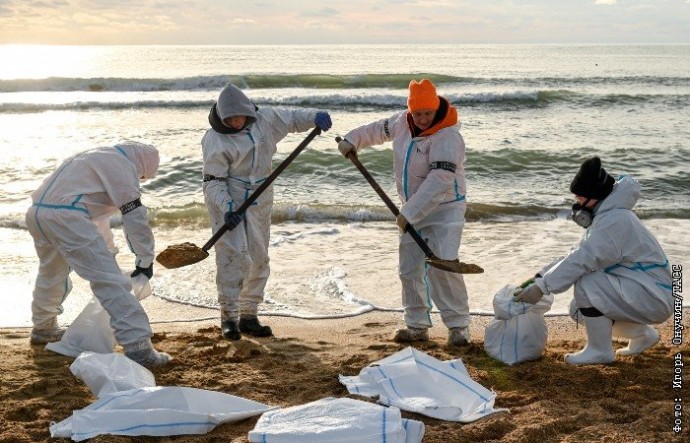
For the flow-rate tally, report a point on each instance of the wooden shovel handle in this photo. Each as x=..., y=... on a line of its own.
x=410, y=229
x=265, y=184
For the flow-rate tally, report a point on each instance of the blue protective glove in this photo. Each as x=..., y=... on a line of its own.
x=232, y=219
x=323, y=121
x=148, y=272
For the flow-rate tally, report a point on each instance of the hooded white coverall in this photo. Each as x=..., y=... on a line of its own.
x=66, y=220
x=618, y=267
x=434, y=203
x=234, y=166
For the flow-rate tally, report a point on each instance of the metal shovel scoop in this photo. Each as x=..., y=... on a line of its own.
x=447, y=265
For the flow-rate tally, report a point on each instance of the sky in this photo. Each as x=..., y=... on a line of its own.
x=217, y=22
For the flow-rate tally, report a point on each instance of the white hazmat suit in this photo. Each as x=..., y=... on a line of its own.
x=618, y=267
x=620, y=271
x=433, y=201
x=67, y=219
x=235, y=164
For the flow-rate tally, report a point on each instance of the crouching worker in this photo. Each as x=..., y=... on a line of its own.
x=238, y=150
x=85, y=189
x=621, y=275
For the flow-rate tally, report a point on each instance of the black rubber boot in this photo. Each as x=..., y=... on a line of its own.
x=251, y=326
x=230, y=330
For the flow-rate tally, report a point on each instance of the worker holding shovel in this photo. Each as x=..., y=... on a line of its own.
x=429, y=154
x=237, y=153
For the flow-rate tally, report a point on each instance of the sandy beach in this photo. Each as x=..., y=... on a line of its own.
x=631, y=400
x=333, y=298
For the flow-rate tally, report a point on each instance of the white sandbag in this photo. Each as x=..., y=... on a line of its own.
x=336, y=420
x=414, y=381
x=91, y=331
x=519, y=332
x=157, y=411
x=505, y=306
x=108, y=373
x=414, y=430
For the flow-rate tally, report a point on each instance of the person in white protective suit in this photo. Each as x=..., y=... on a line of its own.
x=621, y=275
x=237, y=152
x=70, y=227
x=429, y=157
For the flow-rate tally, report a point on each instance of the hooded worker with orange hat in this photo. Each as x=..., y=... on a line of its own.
x=429, y=157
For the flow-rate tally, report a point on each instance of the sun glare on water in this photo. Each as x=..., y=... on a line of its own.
x=42, y=61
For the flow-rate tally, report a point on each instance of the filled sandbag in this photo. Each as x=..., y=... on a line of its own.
x=518, y=333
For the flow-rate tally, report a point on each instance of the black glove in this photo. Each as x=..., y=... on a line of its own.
x=232, y=219
x=148, y=272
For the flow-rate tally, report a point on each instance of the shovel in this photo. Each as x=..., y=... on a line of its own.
x=447, y=265
x=184, y=254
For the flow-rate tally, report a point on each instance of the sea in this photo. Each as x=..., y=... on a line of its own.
x=530, y=115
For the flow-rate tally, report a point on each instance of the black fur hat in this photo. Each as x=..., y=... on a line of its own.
x=592, y=181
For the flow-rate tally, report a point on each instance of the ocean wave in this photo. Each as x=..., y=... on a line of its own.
x=313, y=81
x=476, y=212
x=257, y=81
x=373, y=100
x=195, y=216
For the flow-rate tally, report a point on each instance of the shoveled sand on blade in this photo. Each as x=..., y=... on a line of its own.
x=184, y=254
x=455, y=266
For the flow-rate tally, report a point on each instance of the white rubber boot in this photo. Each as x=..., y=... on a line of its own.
x=641, y=337
x=143, y=353
x=599, y=348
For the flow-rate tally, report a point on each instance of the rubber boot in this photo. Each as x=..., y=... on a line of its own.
x=250, y=325
x=641, y=337
x=230, y=330
x=599, y=348
x=459, y=336
x=407, y=335
x=143, y=353
x=49, y=333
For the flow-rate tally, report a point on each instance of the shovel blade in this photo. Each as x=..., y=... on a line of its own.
x=177, y=256
x=455, y=266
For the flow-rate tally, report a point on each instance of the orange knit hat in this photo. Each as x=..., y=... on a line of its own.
x=422, y=96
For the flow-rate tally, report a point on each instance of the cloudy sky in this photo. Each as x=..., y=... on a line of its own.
x=343, y=21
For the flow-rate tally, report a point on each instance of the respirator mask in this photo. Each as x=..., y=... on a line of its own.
x=582, y=215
